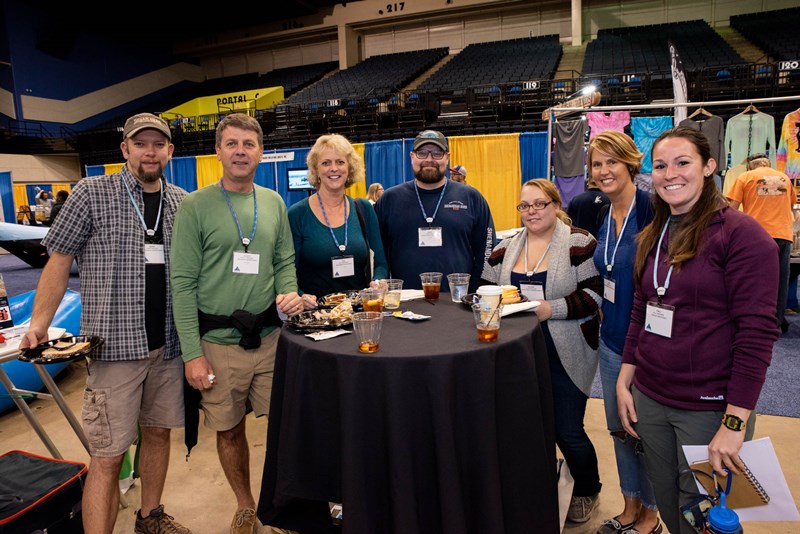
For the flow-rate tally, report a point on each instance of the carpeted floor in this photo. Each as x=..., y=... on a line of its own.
x=778, y=397
x=21, y=277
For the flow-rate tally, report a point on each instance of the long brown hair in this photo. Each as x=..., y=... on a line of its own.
x=686, y=243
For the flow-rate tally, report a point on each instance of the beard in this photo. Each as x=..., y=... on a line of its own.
x=429, y=174
x=150, y=177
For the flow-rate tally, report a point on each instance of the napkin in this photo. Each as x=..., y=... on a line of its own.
x=327, y=334
x=411, y=294
x=509, y=309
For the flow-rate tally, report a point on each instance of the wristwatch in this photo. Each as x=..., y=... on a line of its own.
x=733, y=422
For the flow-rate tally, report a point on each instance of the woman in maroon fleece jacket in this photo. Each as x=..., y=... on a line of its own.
x=703, y=322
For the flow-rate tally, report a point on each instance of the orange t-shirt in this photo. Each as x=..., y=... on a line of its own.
x=767, y=195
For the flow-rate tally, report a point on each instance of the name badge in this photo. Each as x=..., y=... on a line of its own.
x=245, y=263
x=153, y=254
x=343, y=266
x=609, y=287
x=533, y=291
x=430, y=237
x=658, y=319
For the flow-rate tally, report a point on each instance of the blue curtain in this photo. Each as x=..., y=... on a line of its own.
x=274, y=174
x=7, y=196
x=95, y=170
x=533, y=155
x=388, y=162
x=183, y=173
x=34, y=189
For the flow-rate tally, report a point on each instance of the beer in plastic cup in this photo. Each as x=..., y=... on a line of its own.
x=431, y=285
x=367, y=328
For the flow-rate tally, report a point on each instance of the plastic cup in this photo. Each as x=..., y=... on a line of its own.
x=487, y=321
x=372, y=299
x=391, y=300
x=490, y=295
x=367, y=327
x=431, y=285
x=459, y=285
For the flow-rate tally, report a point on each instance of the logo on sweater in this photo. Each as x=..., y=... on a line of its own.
x=455, y=205
x=712, y=397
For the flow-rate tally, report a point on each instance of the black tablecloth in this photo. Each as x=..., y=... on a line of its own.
x=436, y=433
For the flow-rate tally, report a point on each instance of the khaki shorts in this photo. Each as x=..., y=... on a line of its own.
x=122, y=395
x=241, y=375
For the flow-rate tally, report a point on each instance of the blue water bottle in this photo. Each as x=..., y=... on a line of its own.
x=721, y=519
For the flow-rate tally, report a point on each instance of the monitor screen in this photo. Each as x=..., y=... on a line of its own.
x=298, y=180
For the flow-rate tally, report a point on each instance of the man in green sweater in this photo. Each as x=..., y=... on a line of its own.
x=232, y=271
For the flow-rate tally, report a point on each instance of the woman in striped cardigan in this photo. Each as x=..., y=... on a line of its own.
x=551, y=261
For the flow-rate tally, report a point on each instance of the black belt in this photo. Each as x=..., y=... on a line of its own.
x=248, y=324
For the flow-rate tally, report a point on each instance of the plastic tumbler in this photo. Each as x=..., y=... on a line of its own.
x=367, y=327
x=391, y=300
x=459, y=285
x=431, y=285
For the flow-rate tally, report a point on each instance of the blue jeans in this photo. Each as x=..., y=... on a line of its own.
x=571, y=438
x=784, y=257
x=630, y=458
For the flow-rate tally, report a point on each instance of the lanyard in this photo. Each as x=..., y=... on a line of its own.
x=661, y=290
x=429, y=220
x=245, y=241
x=148, y=231
x=610, y=266
x=535, y=269
x=328, y=223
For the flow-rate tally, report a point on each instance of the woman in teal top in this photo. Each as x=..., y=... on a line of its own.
x=331, y=252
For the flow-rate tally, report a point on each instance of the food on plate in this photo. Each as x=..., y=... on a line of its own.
x=342, y=311
x=510, y=295
x=335, y=298
x=65, y=349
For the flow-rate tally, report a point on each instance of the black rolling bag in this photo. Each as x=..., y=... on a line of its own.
x=40, y=495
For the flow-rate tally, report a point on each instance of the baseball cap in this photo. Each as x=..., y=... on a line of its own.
x=143, y=121
x=459, y=169
x=433, y=137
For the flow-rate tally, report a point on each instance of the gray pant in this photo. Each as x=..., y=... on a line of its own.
x=664, y=431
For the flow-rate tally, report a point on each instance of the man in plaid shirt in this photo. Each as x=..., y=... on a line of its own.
x=119, y=228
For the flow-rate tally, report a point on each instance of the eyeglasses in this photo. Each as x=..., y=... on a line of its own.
x=423, y=154
x=537, y=205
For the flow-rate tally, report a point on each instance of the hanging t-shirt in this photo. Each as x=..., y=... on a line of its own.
x=788, y=156
x=600, y=122
x=569, y=187
x=570, y=138
x=645, y=131
x=750, y=133
x=713, y=127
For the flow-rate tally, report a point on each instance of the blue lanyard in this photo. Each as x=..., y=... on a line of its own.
x=610, y=266
x=429, y=220
x=245, y=241
x=328, y=223
x=525, y=261
x=661, y=290
x=148, y=231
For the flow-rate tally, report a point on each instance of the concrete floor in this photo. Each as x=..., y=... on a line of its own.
x=198, y=496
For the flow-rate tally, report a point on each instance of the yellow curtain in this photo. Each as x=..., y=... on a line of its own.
x=493, y=168
x=20, y=196
x=209, y=170
x=358, y=189
x=61, y=187
x=111, y=168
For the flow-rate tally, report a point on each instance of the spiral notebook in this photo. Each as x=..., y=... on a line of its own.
x=746, y=491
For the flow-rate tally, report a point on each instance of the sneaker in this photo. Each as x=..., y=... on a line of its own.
x=580, y=508
x=158, y=522
x=658, y=529
x=244, y=521
x=612, y=526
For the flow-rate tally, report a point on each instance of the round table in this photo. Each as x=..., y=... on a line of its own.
x=435, y=433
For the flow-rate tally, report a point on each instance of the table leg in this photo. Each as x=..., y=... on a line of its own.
x=26, y=411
